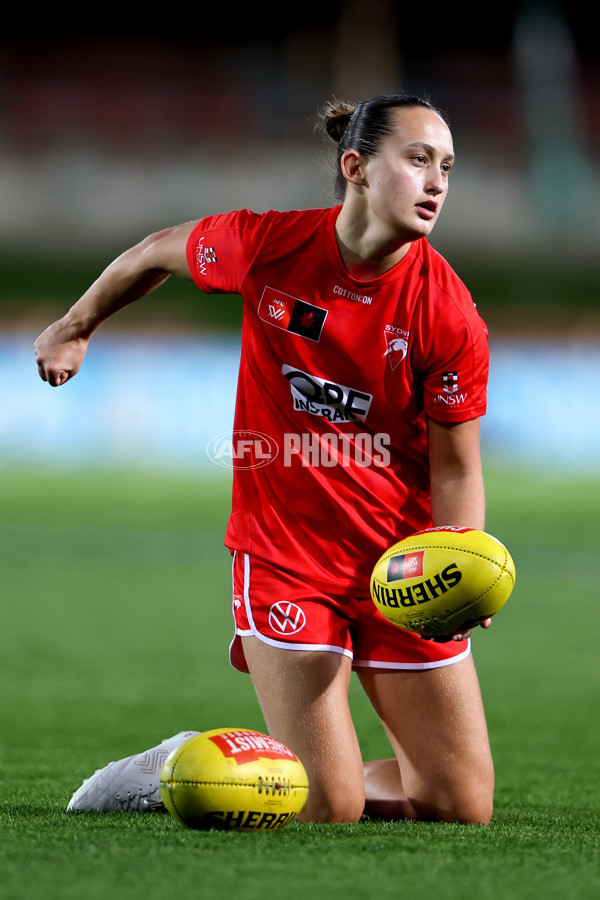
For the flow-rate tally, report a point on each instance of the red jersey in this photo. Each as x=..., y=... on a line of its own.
x=337, y=377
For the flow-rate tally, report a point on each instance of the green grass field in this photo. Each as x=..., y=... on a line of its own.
x=115, y=627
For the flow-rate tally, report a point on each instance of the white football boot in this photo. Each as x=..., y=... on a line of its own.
x=130, y=784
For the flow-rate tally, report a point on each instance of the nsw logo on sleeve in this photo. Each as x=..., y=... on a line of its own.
x=291, y=314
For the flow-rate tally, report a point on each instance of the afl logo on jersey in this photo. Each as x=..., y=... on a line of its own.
x=292, y=315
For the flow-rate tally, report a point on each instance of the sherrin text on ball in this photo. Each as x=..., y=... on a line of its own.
x=440, y=581
x=233, y=779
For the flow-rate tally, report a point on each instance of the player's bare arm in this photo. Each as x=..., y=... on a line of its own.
x=456, y=480
x=61, y=348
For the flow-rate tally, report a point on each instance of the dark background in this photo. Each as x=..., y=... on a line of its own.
x=126, y=124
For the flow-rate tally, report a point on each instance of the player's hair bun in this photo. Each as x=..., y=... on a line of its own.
x=335, y=116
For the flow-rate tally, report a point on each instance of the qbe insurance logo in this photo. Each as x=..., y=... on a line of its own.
x=242, y=450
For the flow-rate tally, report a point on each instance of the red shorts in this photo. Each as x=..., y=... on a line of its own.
x=279, y=609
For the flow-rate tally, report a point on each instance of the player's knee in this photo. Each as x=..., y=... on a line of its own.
x=473, y=810
x=462, y=810
x=337, y=808
x=474, y=805
x=468, y=802
x=331, y=814
x=477, y=797
x=474, y=795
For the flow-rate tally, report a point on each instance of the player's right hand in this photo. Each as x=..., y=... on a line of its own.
x=59, y=353
x=465, y=632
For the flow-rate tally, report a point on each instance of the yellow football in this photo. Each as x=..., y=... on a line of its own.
x=233, y=779
x=442, y=580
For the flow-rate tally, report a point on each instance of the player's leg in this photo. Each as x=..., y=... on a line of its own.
x=304, y=699
x=436, y=724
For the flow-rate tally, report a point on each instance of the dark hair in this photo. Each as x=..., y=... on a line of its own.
x=364, y=126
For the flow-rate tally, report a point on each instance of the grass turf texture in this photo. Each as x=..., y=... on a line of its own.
x=115, y=630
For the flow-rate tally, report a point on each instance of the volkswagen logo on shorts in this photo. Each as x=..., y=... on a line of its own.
x=286, y=618
x=242, y=449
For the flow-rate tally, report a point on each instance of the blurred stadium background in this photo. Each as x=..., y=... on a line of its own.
x=105, y=137
x=109, y=644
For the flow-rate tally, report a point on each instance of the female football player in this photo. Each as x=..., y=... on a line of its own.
x=364, y=362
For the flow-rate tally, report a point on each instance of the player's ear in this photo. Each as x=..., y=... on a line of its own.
x=353, y=167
